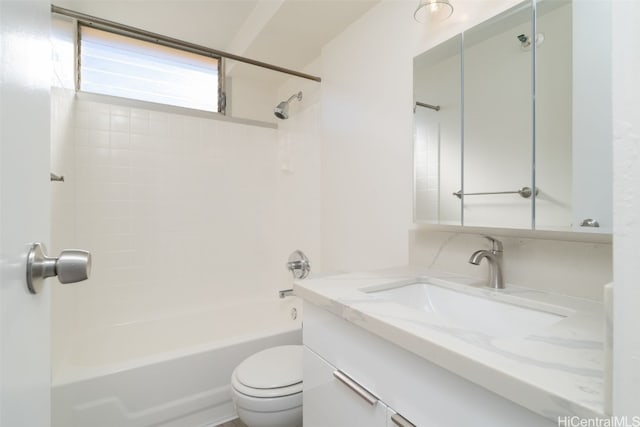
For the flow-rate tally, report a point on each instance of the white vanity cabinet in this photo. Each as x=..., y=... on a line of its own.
x=333, y=399
x=402, y=382
x=330, y=402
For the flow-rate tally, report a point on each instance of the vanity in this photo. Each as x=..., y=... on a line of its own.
x=512, y=136
x=401, y=347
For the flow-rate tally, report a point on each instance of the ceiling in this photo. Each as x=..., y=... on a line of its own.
x=287, y=33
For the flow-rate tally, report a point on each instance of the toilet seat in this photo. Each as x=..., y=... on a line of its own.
x=271, y=373
x=265, y=392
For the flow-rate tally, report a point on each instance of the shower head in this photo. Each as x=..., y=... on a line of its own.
x=282, y=110
x=525, y=41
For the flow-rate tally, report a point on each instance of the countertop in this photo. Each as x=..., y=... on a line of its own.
x=556, y=371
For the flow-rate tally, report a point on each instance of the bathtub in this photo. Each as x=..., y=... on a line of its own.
x=169, y=372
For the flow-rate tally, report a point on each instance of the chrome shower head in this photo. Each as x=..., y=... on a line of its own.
x=282, y=110
x=524, y=40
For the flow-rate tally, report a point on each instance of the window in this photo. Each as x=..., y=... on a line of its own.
x=119, y=65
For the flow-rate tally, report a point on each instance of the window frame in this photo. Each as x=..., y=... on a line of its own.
x=155, y=39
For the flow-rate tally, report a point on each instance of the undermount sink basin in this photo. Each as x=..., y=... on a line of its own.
x=471, y=312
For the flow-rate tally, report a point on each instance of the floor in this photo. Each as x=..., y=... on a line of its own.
x=233, y=423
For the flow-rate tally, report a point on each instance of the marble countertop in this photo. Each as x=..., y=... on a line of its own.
x=555, y=371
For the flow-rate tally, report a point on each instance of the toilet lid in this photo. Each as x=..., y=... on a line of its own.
x=272, y=368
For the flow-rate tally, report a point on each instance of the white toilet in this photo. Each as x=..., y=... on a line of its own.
x=267, y=388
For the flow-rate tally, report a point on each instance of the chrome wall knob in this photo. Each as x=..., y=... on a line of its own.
x=71, y=266
x=298, y=264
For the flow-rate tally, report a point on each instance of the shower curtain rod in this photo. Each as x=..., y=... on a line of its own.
x=171, y=42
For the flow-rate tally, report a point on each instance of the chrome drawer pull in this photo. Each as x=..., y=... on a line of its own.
x=401, y=421
x=360, y=391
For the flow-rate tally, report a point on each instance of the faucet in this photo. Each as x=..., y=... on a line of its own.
x=494, y=258
x=285, y=293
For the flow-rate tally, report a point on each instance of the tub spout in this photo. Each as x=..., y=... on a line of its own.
x=285, y=293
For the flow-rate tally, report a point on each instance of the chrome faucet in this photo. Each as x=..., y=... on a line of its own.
x=494, y=258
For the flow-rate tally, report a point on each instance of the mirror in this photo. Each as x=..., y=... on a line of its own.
x=437, y=134
x=496, y=132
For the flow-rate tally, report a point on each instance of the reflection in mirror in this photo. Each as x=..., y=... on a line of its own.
x=437, y=139
x=498, y=121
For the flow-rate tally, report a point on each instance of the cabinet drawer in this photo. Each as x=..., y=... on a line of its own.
x=330, y=399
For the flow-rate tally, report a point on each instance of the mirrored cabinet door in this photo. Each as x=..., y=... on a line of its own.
x=573, y=116
x=498, y=121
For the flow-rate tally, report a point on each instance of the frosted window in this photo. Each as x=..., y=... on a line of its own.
x=117, y=65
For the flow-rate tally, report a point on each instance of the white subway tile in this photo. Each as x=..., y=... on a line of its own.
x=158, y=127
x=154, y=192
x=119, y=123
x=119, y=110
x=140, y=125
x=119, y=140
x=98, y=138
x=99, y=120
x=120, y=158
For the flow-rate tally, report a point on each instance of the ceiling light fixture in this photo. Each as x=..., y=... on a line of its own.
x=432, y=10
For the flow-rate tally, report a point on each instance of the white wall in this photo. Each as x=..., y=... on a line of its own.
x=626, y=117
x=251, y=97
x=299, y=171
x=367, y=131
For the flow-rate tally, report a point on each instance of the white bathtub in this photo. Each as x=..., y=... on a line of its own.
x=170, y=372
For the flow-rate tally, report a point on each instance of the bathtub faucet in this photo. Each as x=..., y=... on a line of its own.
x=285, y=293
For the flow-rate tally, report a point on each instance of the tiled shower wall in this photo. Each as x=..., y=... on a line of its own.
x=177, y=211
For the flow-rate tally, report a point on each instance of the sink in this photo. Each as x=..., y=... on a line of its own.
x=481, y=313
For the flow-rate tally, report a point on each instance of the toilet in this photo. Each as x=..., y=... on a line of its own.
x=267, y=388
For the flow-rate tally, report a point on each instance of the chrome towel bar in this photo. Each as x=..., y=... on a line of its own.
x=524, y=192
